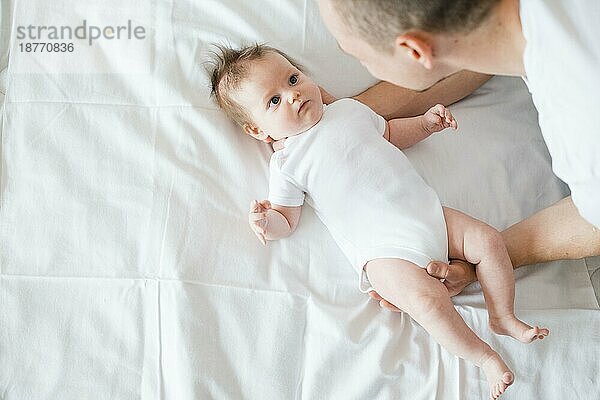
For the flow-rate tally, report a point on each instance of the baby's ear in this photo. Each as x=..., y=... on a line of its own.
x=254, y=131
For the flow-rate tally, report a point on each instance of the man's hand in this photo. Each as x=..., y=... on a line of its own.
x=438, y=118
x=383, y=303
x=257, y=218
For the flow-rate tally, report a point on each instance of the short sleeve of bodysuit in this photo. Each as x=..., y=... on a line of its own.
x=282, y=191
x=379, y=122
x=377, y=119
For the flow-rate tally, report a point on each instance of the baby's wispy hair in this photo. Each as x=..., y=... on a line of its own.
x=229, y=68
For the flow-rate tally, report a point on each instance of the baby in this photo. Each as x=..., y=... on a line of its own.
x=340, y=156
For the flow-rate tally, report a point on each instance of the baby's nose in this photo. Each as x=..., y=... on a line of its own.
x=293, y=96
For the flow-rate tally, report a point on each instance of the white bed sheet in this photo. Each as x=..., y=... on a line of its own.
x=127, y=270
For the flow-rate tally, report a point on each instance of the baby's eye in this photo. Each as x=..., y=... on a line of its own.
x=293, y=79
x=274, y=101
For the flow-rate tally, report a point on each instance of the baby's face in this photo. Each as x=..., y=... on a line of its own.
x=280, y=99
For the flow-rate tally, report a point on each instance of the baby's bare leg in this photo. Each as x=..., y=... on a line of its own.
x=427, y=301
x=480, y=244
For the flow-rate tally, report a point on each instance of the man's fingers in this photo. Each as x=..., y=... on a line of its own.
x=438, y=269
x=383, y=303
x=375, y=295
x=389, y=306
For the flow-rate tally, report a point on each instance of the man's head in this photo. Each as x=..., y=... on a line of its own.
x=265, y=92
x=396, y=40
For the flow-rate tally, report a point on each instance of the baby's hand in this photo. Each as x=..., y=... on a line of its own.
x=257, y=218
x=438, y=118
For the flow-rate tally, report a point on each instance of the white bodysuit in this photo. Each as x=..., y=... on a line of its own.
x=362, y=187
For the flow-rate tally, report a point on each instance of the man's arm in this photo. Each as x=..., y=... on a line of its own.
x=391, y=101
x=555, y=233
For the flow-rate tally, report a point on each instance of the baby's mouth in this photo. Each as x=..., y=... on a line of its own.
x=302, y=106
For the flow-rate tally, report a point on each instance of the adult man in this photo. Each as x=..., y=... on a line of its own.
x=417, y=44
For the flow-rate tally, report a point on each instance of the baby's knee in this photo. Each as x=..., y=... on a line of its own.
x=427, y=300
x=486, y=238
x=408, y=287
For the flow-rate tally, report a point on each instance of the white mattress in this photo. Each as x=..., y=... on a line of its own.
x=128, y=271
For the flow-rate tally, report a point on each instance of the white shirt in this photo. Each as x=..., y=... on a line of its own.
x=363, y=188
x=562, y=63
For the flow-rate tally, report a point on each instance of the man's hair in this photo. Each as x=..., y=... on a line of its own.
x=230, y=68
x=378, y=22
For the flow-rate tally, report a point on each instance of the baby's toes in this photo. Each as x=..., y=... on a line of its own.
x=498, y=390
x=507, y=378
x=531, y=334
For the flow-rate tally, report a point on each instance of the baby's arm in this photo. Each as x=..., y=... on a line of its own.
x=405, y=132
x=271, y=221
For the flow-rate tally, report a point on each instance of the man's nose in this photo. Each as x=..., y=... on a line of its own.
x=294, y=95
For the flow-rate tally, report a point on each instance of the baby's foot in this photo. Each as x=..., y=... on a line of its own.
x=514, y=327
x=498, y=375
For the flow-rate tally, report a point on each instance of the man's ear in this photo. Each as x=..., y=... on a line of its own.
x=416, y=48
x=256, y=132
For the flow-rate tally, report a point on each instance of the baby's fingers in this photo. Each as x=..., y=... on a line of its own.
x=450, y=119
x=260, y=225
x=255, y=206
x=261, y=238
x=259, y=232
x=439, y=109
x=256, y=216
x=259, y=206
x=265, y=204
